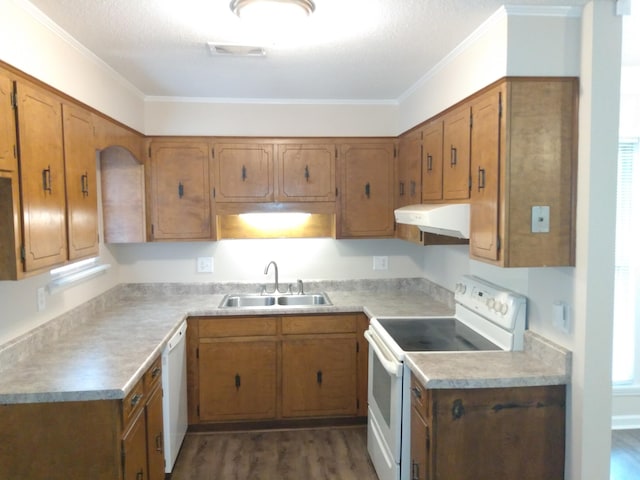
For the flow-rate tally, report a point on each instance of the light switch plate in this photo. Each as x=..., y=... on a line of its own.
x=540, y=219
x=204, y=265
x=380, y=263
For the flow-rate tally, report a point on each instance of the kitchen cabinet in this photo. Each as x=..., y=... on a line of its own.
x=180, y=190
x=275, y=369
x=456, y=153
x=306, y=172
x=462, y=433
x=97, y=439
x=8, y=154
x=524, y=155
x=432, y=160
x=366, y=173
x=154, y=421
x=408, y=180
x=319, y=366
x=81, y=182
x=243, y=172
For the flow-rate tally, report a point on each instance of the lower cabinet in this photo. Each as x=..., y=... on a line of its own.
x=98, y=440
x=276, y=368
x=497, y=433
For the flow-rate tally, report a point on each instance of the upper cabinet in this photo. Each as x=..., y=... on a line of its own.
x=366, y=173
x=456, y=153
x=524, y=157
x=432, y=160
x=243, y=172
x=180, y=190
x=8, y=154
x=408, y=180
x=306, y=172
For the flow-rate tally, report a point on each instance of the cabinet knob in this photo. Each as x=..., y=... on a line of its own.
x=416, y=392
x=244, y=173
x=84, y=184
x=481, y=179
x=319, y=377
x=180, y=190
x=367, y=190
x=46, y=179
x=306, y=173
x=429, y=162
x=135, y=399
x=454, y=156
x=415, y=471
x=237, y=381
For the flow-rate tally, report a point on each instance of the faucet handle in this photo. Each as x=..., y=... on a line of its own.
x=300, y=287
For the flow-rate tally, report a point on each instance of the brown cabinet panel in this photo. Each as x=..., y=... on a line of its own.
x=220, y=327
x=306, y=172
x=419, y=447
x=432, y=138
x=8, y=160
x=366, y=193
x=180, y=190
x=243, y=172
x=408, y=181
x=456, y=153
x=318, y=377
x=309, y=324
x=42, y=177
x=134, y=444
x=155, y=451
x=81, y=182
x=237, y=380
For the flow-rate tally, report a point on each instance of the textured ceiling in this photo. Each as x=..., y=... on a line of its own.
x=361, y=50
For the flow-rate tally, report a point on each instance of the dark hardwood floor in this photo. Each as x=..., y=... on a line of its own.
x=625, y=455
x=338, y=453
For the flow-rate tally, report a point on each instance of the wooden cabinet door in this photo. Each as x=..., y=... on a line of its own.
x=237, y=380
x=8, y=159
x=456, y=153
x=134, y=444
x=243, y=172
x=180, y=190
x=485, y=173
x=432, y=138
x=81, y=183
x=306, y=172
x=42, y=178
x=366, y=194
x=419, y=447
x=155, y=451
x=408, y=181
x=318, y=377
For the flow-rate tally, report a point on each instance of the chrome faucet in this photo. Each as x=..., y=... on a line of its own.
x=266, y=271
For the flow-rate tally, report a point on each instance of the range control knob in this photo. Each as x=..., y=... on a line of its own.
x=461, y=288
x=504, y=309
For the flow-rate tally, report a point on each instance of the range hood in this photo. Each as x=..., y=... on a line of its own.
x=451, y=219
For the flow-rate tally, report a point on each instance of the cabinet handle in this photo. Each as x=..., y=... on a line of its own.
x=84, y=184
x=319, y=377
x=140, y=475
x=155, y=372
x=244, y=173
x=367, y=190
x=415, y=471
x=237, y=381
x=416, y=392
x=159, y=442
x=46, y=179
x=401, y=189
x=457, y=410
x=429, y=162
x=413, y=188
x=480, y=178
x=454, y=156
x=306, y=173
x=135, y=399
x=180, y=190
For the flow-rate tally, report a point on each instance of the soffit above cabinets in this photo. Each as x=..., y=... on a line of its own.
x=350, y=51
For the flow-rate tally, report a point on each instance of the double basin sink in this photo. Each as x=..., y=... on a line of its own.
x=248, y=300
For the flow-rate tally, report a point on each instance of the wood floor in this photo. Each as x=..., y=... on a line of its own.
x=625, y=455
x=317, y=454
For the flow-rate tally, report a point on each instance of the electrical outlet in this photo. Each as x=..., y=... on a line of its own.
x=380, y=263
x=42, y=298
x=204, y=265
x=560, y=317
x=540, y=219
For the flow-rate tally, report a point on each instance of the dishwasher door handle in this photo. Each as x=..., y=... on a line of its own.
x=392, y=367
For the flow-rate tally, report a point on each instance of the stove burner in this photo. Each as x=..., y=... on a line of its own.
x=435, y=335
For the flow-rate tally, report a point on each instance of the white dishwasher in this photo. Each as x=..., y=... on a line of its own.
x=174, y=399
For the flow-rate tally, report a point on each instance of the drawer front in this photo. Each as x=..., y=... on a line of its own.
x=133, y=402
x=153, y=375
x=299, y=325
x=419, y=398
x=237, y=326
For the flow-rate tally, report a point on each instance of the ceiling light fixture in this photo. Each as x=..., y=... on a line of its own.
x=268, y=9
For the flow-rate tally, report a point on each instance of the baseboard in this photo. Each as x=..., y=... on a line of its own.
x=625, y=422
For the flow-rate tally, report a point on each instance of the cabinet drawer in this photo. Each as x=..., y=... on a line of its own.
x=133, y=402
x=153, y=375
x=292, y=325
x=419, y=398
x=237, y=326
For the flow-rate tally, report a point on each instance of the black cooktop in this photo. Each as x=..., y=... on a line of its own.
x=434, y=335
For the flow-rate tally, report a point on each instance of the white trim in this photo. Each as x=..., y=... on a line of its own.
x=270, y=101
x=625, y=422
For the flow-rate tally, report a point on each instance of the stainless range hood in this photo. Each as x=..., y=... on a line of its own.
x=451, y=219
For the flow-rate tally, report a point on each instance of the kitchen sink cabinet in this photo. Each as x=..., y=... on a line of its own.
x=463, y=433
x=243, y=172
x=274, y=369
x=180, y=190
x=456, y=153
x=306, y=171
x=366, y=172
x=524, y=145
x=96, y=439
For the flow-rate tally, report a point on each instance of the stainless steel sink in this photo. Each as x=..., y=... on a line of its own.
x=252, y=300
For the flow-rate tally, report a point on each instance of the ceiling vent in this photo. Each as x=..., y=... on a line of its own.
x=236, y=50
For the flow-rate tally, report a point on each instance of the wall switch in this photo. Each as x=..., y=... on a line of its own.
x=560, y=317
x=540, y=219
x=380, y=263
x=204, y=265
x=42, y=299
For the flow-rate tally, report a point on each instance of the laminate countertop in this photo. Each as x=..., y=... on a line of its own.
x=100, y=350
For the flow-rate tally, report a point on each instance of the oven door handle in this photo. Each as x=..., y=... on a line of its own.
x=392, y=368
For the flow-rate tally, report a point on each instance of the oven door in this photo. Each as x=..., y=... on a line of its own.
x=384, y=430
